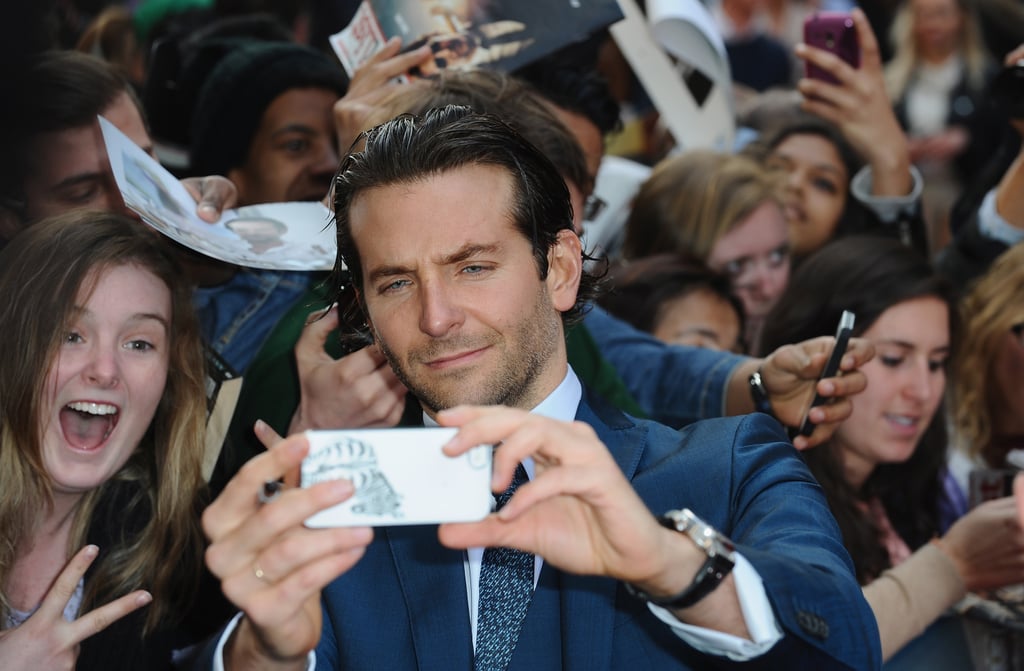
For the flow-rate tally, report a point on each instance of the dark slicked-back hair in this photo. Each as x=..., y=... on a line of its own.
x=410, y=149
x=492, y=92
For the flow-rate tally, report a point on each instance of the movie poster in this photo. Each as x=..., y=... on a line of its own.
x=501, y=34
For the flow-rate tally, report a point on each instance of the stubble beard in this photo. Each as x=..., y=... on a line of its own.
x=523, y=359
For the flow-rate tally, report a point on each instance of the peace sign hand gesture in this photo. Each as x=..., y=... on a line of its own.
x=46, y=640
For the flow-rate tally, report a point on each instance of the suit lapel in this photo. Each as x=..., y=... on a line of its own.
x=624, y=438
x=433, y=583
x=588, y=602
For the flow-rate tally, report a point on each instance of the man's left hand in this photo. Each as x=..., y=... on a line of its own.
x=578, y=512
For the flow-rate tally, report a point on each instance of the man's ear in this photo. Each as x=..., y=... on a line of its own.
x=565, y=268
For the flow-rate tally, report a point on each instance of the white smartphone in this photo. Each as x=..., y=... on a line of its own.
x=401, y=477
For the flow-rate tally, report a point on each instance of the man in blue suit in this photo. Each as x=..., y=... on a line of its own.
x=457, y=235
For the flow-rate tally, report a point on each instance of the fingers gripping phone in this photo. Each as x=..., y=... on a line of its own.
x=836, y=33
x=831, y=368
x=400, y=476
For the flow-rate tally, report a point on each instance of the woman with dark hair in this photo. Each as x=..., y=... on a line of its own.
x=883, y=471
x=822, y=203
x=102, y=425
x=845, y=158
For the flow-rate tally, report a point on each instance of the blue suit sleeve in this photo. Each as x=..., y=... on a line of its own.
x=674, y=385
x=777, y=515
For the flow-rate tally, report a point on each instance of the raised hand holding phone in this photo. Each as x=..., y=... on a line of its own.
x=855, y=100
x=843, y=333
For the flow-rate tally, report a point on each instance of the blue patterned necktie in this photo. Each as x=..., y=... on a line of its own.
x=506, y=586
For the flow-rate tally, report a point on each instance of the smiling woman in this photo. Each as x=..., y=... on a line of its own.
x=101, y=436
x=884, y=470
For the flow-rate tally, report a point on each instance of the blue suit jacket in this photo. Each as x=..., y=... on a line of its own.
x=404, y=605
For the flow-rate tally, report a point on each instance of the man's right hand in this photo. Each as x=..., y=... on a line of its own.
x=356, y=391
x=270, y=565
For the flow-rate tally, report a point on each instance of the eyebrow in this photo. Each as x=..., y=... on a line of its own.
x=75, y=180
x=463, y=253
x=80, y=311
x=699, y=330
x=903, y=344
x=468, y=251
x=826, y=167
x=293, y=128
x=150, y=316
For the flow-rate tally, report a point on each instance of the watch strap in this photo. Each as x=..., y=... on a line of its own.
x=718, y=564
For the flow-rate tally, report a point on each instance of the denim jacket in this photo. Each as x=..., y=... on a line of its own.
x=237, y=316
x=673, y=384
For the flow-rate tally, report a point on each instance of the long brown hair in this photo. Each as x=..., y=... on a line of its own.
x=42, y=273
x=867, y=276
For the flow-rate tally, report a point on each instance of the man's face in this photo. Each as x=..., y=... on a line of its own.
x=453, y=293
x=293, y=154
x=69, y=168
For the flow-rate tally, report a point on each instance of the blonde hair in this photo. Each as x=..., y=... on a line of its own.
x=691, y=200
x=42, y=272
x=906, y=60
x=993, y=306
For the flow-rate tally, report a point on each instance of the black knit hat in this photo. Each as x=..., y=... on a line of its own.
x=239, y=89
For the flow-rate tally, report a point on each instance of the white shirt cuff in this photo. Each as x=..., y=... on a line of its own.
x=888, y=208
x=760, y=619
x=218, y=654
x=993, y=226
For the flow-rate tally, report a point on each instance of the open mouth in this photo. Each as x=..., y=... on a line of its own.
x=87, y=425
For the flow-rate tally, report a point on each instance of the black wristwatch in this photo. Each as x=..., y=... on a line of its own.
x=759, y=393
x=721, y=557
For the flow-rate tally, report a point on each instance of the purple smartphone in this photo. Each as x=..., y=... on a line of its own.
x=834, y=32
